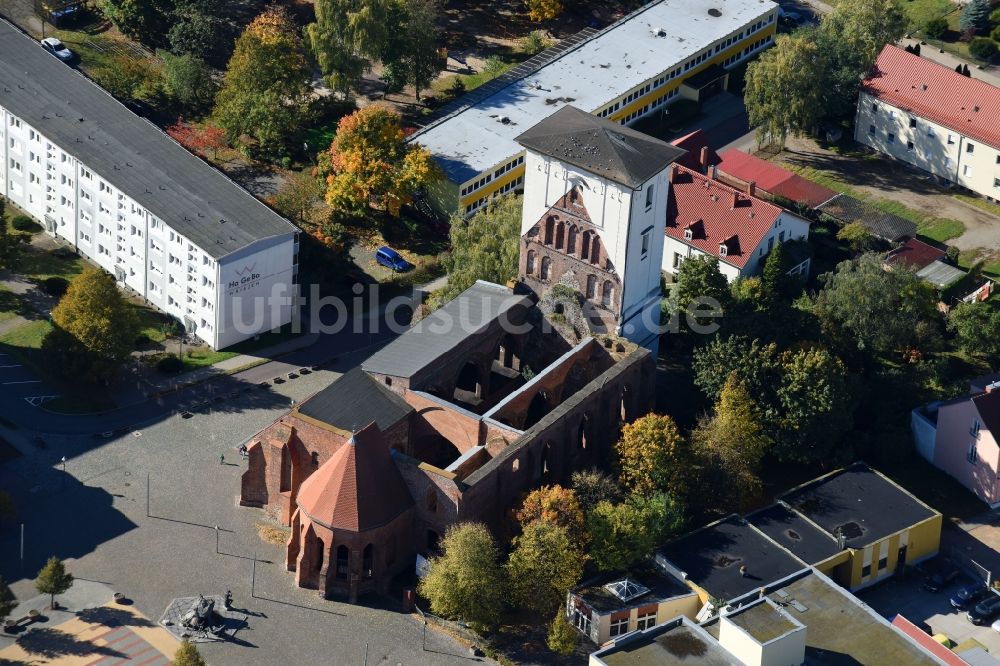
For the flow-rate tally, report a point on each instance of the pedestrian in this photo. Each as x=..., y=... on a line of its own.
x=227, y=601
x=243, y=451
x=222, y=458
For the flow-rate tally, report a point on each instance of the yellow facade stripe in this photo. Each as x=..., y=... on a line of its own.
x=492, y=186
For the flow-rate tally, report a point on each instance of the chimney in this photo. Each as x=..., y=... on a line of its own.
x=673, y=174
x=714, y=172
x=736, y=198
x=752, y=188
x=703, y=158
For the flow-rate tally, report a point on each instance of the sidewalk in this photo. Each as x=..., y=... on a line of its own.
x=950, y=61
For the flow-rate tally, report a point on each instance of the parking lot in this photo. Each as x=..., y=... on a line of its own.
x=929, y=610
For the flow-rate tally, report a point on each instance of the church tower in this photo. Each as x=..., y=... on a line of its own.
x=595, y=204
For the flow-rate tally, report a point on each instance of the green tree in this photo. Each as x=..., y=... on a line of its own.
x=562, y=636
x=11, y=245
x=936, y=28
x=732, y=443
x=816, y=406
x=484, y=246
x=625, y=533
x=187, y=655
x=543, y=565
x=349, y=34
x=370, y=163
x=189, y=82
x=266, y=85
x=857, y=236
x=543, y=10
x=865, y=26
x=975, y=16
x=774, y=278
x=97, y=317
x=131, y=78
x=699, y=282
x=145, y=21
x=983, y=48
x=783, y=93
x=873, y=309
x=652, y=456
x=298, y=194
x=53, y=579
x=754, y=363
x=420, y=46
x=976, y=327
x=194, y=29
x=593, y=486
x=8, y=602
x=466, y=581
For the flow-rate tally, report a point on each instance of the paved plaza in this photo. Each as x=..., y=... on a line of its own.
x=94, y=516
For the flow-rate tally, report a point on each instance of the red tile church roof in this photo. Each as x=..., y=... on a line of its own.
x=359, y=488
x=717, y=214
x=939, y=94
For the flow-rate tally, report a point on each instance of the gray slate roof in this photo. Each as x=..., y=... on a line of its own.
x=461, y=318
x=847, y=209
x=600, y=146
x=129, y=152
x=355, y=400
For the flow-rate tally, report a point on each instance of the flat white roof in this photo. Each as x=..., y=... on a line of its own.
x=589, y=76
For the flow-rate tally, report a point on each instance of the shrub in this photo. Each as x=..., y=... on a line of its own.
x=65, y=252
x=534, y=42
x=55, y=286
x=170, y=364
x=936, y=28
x=24, y=223
x=995, y=35
x=983, y=48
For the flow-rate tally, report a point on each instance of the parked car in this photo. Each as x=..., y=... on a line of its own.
x=57, y=48
x=985, y=610
x=940, y=579
x=792, y=17
x=391, y=259
x=969, y=596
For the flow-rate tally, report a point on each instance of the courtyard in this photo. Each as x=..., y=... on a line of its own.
x=92, y=512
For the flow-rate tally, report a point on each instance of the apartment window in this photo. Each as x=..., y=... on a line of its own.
x=883, y=562
x=84, y=173
x=909, y=145
x=866, y=571
x=649, y=198
x=951, y=140
x=972, y=455
x=15, y=165
x=974, y=428
x=996, y=183
x=871, y=129
x=677, y=260
x=930, y=131
x=890, y=137
x=967, y=170
x=970, y=147
x=619, y=627
x=645, y=242
x=998, y=159
x=913, y=122
x=646, y=620
x=874, y=108
x=85, y=195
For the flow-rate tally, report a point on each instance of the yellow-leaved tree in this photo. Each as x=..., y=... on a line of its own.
x=543, y=10
x=370, y=164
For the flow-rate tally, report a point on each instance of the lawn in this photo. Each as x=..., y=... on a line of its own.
x=26, y=337
x=939, y=229
x=38, y=265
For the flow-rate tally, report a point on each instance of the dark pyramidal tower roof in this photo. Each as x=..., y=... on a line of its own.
x=600, y=146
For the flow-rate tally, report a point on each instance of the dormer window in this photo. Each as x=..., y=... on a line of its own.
x=723, y=250
x=688, y=234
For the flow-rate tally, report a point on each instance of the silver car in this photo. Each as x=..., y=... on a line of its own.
x=57, y=48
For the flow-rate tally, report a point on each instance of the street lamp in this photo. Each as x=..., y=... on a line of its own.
x=63, y=463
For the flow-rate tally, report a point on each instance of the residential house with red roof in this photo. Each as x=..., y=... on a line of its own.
x=740, y=169
x=932, y=117
x=707, y=217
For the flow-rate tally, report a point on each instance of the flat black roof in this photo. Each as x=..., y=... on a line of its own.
x=132, y=154
x=660, y=585
x=353, y=401
x=712, y=556
x=859, y=503
x=807, y=542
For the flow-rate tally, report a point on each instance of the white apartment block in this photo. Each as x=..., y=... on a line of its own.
x=934, y=118
x=168, y=226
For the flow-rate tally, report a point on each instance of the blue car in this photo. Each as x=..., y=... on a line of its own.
x=389, y=258
x=969, y=595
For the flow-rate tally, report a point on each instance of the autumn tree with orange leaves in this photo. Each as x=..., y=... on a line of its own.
x=369, y=165
x=556, y=505
x=199, y=140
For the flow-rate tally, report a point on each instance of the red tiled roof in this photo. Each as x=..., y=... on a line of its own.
x=929, y=644
x=707, y=206
x=915, y=254
x=770, y=177
x=932, y=91
x=693, y=143
x=358, y=488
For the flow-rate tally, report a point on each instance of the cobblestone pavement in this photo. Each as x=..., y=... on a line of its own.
x=94, y=516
